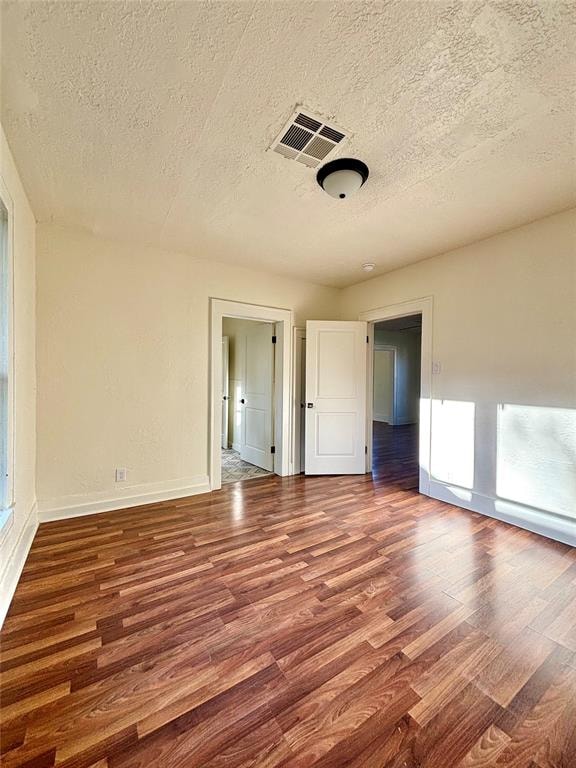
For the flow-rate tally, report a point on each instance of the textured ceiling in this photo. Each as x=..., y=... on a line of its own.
x=150, y=122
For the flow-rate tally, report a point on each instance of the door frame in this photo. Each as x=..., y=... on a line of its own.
x=220, y=308
x=7, y=504
x=387, y=348
x=425, y=307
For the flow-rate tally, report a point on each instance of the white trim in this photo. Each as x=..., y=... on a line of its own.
x=404, y=420
x=78, y=505
x=14, y=562
x=536, y=520
x=220, y=308
x=423, y=306
x=277, y=394
x=401, y=422
x=6, y=523
x=9, y=205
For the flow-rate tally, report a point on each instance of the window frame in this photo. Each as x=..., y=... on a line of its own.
x=7, y=243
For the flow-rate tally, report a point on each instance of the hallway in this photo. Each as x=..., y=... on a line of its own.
x=395, y=455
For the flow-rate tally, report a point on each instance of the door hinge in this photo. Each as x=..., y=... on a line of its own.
x=273, y=339
x=367, y=339
x=273, y=449
x=366, y=449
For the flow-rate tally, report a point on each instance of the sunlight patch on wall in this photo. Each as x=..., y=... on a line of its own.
x=453, y=442
x=536, y=457
x=424, y=437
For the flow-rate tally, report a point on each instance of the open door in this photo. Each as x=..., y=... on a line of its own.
x=335, y=397
x=256, y=401
x=225, y=392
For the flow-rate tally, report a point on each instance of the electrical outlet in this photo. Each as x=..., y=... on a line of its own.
x=121, y=475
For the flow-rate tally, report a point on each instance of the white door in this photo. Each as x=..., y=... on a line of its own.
x=383, y=385
x=225, y=392
x=256, y=401
x=302, y=403
x=335, y=397
x=299, y=413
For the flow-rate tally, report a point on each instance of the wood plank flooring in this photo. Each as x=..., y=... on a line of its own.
x=395, y=454
x=292, y=622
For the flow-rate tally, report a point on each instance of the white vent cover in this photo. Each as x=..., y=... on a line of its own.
x=308, y=139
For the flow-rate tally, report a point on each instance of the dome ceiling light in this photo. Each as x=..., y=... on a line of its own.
x=342, y=177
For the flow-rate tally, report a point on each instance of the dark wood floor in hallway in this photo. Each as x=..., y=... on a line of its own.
x=395, y=455
x=292, y=622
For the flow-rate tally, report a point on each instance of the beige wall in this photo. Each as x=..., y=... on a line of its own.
x=123, y=361
x=383, y=386
x=504, y=330
x=407, y=346
x=17, y=534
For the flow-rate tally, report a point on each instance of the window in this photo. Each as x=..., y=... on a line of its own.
x=5, y=368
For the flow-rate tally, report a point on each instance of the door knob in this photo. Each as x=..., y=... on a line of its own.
x=309, y=405
x=225, y=397
x=242, y=401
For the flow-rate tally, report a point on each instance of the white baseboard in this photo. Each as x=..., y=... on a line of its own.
x=236, y=447
x=538, y=521
x=13, y=562
x=132, y=496
x=387, y=420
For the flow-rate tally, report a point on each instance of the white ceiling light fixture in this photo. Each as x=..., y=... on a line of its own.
x=341, y=178
x=368, y=267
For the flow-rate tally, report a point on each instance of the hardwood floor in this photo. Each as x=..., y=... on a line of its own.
x=292, y=622
x=395, y=455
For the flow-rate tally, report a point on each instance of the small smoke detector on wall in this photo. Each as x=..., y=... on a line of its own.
x=308, y=139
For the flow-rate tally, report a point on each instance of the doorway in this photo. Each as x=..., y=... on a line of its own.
x=282, y=320
x=423, y=306
x=396, y=393
x=247, y=399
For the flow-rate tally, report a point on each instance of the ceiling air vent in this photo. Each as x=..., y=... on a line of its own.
x=308, y=139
